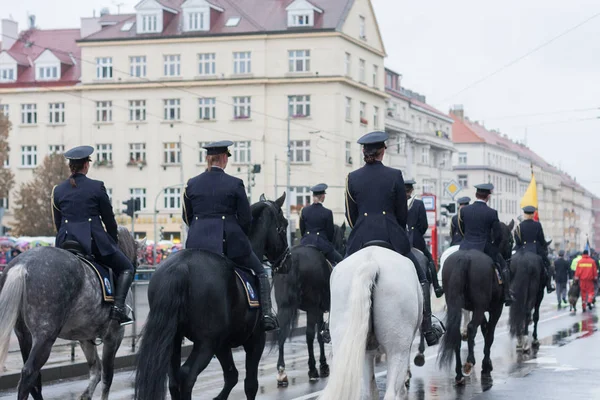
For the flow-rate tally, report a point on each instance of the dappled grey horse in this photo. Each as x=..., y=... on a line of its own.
x=48, y=293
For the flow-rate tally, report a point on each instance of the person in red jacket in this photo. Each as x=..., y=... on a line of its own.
x=587, y=274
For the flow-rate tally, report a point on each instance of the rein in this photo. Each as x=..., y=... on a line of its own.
x=277, y=264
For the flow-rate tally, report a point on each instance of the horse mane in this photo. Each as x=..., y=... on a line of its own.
x=127, y=244
x=257, y=208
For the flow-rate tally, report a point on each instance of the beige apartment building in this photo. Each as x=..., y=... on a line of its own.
x=148, y=89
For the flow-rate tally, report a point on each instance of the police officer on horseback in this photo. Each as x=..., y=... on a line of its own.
x=481, y=229
x=376, y=210
x=529, y=236
x=217, y=211
x=417, y=227
x=455, y=232
x=316, y=225
x=80, y=207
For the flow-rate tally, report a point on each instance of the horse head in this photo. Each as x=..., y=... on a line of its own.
x=507, y=241
x=269, y=230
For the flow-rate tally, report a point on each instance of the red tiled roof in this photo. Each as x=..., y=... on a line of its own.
x=32, y=43
x=256, y=16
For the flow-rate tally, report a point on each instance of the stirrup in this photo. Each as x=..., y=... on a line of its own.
x=270, y=323
x=119, y=314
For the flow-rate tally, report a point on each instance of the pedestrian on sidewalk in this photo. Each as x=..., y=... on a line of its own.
x=561, y=276
x=587, y=274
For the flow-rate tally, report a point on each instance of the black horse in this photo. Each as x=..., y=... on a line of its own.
x=471, y=282
x=306, y=287
x=527, y=270
x=196, y=295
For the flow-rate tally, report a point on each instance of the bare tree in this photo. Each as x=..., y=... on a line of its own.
x=7, y=178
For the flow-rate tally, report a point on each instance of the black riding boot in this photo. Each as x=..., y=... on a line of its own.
x=432, y=336
x=439, y=292
x=508, y=296
x=118, y=311
x=268, y=318
x=549, y=287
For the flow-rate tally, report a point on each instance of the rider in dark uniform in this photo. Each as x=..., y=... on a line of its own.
x=417, y=227
x=376, y=210
x=529, y=236
x=316, y=225
x=80, y=206
x=481, y=228
x=216, y=209
x=455, y=233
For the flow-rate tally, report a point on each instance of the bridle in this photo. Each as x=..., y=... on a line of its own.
x=277, y=264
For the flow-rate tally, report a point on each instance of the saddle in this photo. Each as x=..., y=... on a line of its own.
x=248, y=281
x=104, y=273
x=378, y=243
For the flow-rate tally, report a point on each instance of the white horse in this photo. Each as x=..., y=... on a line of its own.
x=376, y=308
x=466, y=315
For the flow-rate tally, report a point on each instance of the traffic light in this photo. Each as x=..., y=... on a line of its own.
x=137, y=205
x=128, y=208
x=256, y=169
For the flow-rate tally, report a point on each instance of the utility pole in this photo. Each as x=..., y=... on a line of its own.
x=249, y=182
x=182, y=182
x=288, y=208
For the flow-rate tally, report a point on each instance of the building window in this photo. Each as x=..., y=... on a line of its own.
x=206, y=64
x=463, y=181
x=149, y=23
x=425, y=155
x=348, y=64
x=57, y=113
x=47, y=72
x=301, y=196
x=4, y=110
x=4, y=203
x=172, y=109
x=375, y=117
x=362, y=27
x=241, y=152
x=137, y=153
x=56, y=149
x=28, y=114
x=299, y=106
x=462, y=158
x=28, y=156
x=103, y=111
x=104, y=154
x=104, y=69
x=139, y=194
x=137, y=110
x=172, y=153
x=300, y=151
x=375, y=76
x=242, y=63
x=195, y=21
x=363, y=113
x=202, y=152
x=349, y=153
x=137, y=66
x=299, y=60
x=207, y=109
x=109, y=194
x=348, y=109
x=361, y=70
x=8, y=74
x=172, y=198
x=172, y=65
x=428, y=186
x=241, y=107
x=301, y=20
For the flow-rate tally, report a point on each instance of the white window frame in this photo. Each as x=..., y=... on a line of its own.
x=172, y=65
x=5, y=110
x=362, y=33
x=301, y=18
x=29, y=156
x=29, y=114
x=56, y=149
x=138, y=193
x=172, y=109
x=104, y=153
x=149, y=23
x=171, y=153
x=202, y=152
x=363, y=113
x=242, y=107
x=348, y=109
x=299, y=106
x=362, y=73
x=375, y=76
x=195, y=21
x=47, y=72
x=137, y=110
x=8, y=74
x=207, y=64
x=462, y=158
x=104, y=68
x=103, y=111
x=375, y=117
x=300, y=192
x=348, y=153
x=300, y=151
x=4, y=203
x=425, y=155
x=348, y=64
x=137, y=66
x=299, y=60
x=137, y=153
x=242, y=152
x=172, y=198
x=56, y=113
x=207, y=109
x=242, y=62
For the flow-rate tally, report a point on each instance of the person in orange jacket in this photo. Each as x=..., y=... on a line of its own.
x=587, y=274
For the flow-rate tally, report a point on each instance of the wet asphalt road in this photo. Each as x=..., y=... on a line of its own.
x=567, y=366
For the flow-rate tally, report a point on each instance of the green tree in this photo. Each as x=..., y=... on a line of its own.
x=33, y=212
x=7, y=178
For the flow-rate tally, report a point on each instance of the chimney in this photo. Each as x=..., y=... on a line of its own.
x=458, y=111
x=10, y=33
x=89, y=26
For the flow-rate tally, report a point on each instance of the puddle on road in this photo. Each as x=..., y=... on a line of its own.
x=578, y=330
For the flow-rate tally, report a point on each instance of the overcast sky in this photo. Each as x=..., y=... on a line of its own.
x=441, y=47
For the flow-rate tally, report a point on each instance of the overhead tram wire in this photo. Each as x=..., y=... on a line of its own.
x=541, y=114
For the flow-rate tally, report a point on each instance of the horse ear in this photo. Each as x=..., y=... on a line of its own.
x=548, y=244
x=280, y=200
x=512, y=224
x=142, y=243
x=262, y=197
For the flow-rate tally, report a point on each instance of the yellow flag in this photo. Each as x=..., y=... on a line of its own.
x=530, y=198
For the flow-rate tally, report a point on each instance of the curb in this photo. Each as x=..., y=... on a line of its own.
x=80, y=369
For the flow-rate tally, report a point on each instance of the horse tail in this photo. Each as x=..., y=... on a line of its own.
x=11, y=299
x=455, y=300
x=346, y=376
x=287, y=296
x=520, y=286
x=167, y=306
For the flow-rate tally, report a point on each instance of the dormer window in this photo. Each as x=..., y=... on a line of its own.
x=302, y=20
x=47, y=72
x=301, y=13
x=8, y=73
x=149, y=23
x=195, y=21
x=196, y=15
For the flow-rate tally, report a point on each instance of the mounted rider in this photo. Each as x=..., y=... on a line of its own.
x=417, y=227
x=455, y=232
x=316, y=225
x=80, y=207
x=529, y=236
x=376, y=209
x=217, y=212
x=481, y=229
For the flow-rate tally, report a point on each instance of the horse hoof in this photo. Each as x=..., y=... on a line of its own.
x=324, y=370
x=419, y=360
x=282, y=383
x=464, y=337
x=535, y=344
x=313, y=375
x=282, y=379
x=460, y=381
x=467, y=369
